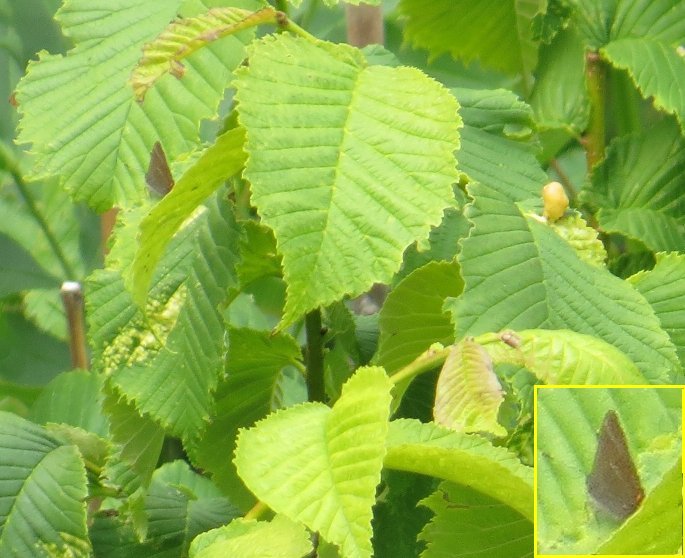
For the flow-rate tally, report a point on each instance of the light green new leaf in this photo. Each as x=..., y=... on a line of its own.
x=184, y=37
x=248, y=538
x=255, y=365
x=495, y=32
x=568, y=422
x=664, y=289
x=42, y=492
x=80, y=115
x=348, y=163
x=468, y=395
x=465, y=459
x=218, y=162
x=639, y=186
x=581, y=237
x=321, y=466
x=563, y=357
x=189, y=364
x=468, y=523
x=412, y=318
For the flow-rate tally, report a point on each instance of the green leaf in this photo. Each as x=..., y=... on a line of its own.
x=326, y=471
x=80, y=115
x=140, y=442
x=563, y=357
x=185, y=36
x=44, y=307
x=248, y=538
x=19, y=271
x=113, y=538
x=559, y=97
x=256, y=363
x=466, y=459
x=73, y=398
x=468, y=395
x=657, y=69
x=495, y=146
x=120, y=333
x=593, y=19
x=646, y=41
x=468, y=523
x=397, y=517
x=567, y=425
x=42, y=492
x=216, y=164
x=412, y=318
x=497, y=33
x=189, y=364
x=61, y=256
x=518, y=272
x=663, y=287
x=443, y=243
x=345, y=165
x=638, y=187
x=180, y=504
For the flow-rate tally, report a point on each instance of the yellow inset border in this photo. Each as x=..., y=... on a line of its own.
x=535, y=462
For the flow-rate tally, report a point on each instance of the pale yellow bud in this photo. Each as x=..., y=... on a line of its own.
x=555, y=201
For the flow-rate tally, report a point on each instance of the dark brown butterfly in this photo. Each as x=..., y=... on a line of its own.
x=158, y=175
x=614, y=483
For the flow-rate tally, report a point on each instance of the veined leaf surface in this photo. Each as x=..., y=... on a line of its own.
x=80, y=114
x=326, y=472
x=348, y=163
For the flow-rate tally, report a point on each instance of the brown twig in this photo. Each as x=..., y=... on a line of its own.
x=72, y=298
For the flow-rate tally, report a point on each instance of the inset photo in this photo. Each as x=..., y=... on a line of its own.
x=609, y=470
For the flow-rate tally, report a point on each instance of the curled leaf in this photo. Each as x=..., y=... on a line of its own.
x=468, y=395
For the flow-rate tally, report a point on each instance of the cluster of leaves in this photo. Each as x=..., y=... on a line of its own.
x=308, y=170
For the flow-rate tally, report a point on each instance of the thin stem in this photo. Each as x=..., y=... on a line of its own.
x=285, y=22
x=425, y=362
x=565, y=180
x=315, y=382
x=257, y=511
x=38, y=216
x=282, y=6
x=595, y=139
x=72, y=298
